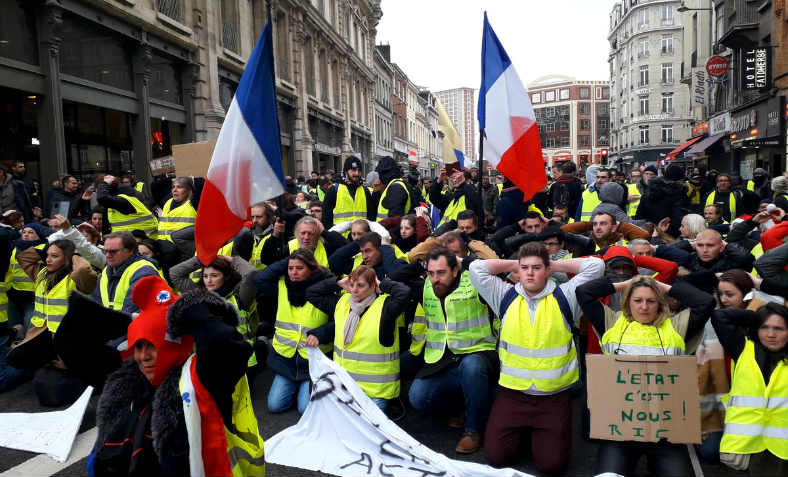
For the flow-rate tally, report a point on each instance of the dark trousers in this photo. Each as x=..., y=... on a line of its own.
x=547, y=418
x=664, y=458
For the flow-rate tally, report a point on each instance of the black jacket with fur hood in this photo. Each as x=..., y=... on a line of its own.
x=664, y=198
x=130, y=411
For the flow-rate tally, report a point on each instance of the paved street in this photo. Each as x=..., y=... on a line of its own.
x=430, y=430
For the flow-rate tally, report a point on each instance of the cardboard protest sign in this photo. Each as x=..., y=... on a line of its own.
x=193, y=159
x=644, y=398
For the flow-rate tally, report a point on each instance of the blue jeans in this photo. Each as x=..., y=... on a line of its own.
x=9, y=375
x=471, y=377
x=20, y=313
x=381, y=403
x=282, y=394
x=709, y=449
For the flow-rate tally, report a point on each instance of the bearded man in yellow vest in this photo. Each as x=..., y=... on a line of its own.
x=125, y=267
x=459, y=351
x=348, y=201
x=463, y=196
x=539, y=360
x=262, y=217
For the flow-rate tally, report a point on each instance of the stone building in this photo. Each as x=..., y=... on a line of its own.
x=649, y=108
x=90, y=86
x=384, y=121
x=573, y=118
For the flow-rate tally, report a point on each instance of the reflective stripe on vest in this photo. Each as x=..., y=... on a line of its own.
x=293, y=323
x=751, y=185
x=15, y=277
x=731, y=202
x=141, y=219
x=246, y=326
x=50, y=307
x=590, y=202
x=349, y=208
x=418, y=331
x=320, y=251
x=123, y=287
x=465, y=325
x=537, y=355
x=373, y=366
x=453, y=210
x=756, y=417
x=257, y=253
x=384, y=212
x=632, y=207
x=634, y=338
x=176, y=219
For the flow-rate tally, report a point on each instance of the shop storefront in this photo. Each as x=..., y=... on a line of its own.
x=104, y=95
x=757, y=139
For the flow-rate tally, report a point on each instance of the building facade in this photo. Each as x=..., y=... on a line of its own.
x=649, y=108
x=384, y=121
x=112, y=85
x=573, y=118
x=433, y=154
x=461, y=108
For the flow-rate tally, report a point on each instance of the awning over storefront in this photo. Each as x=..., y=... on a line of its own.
x=672, y=154
x=700, y=147
x=561, y=158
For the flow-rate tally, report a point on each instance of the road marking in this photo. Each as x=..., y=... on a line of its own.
x=44, y=466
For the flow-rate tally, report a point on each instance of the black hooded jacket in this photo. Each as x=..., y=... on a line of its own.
x=396, y=198
x=664, y=198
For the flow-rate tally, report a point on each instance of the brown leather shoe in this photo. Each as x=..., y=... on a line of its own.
x=470, y=443
x=457, y=422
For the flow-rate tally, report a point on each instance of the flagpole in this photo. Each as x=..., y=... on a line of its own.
x=481, y=173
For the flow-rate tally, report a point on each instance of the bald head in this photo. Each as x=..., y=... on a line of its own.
x=709, y=245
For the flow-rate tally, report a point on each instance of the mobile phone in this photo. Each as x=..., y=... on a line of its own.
x=451, y=167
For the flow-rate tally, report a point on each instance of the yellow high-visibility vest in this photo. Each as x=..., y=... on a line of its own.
x=731, y=202
x=635, y=338
x=349, y=208
x=632, y=207
x=15, y=277
x=384, y=212
x=453, y=210
x=462, y=324
x=374, y=367
x=539, y=354
x=51, y=306
x=418, y=331
x=247, y=325
x=173, y=220
x=590, y=202
x=142, y=218
x=123, y=287
x=293, y=323
x=756, y=415
x=257, y=253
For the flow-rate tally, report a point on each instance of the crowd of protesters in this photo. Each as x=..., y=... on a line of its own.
x=448, y=296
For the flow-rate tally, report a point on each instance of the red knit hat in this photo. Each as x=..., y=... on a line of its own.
x=154, y=297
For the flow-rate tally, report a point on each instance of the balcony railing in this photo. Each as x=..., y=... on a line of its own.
x=643, y=54
x=171, y=8
x=666, y=21
x=667, y=81
x=666, y=52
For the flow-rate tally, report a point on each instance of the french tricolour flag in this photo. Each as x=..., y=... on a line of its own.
x=246, y=166
x=510, y=136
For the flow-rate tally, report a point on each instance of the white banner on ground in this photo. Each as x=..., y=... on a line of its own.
x=342, y=432
x=50, y=433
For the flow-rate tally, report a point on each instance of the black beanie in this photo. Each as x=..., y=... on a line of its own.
x=674, y=173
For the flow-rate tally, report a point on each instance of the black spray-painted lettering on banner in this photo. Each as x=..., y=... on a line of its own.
x=364, y=461
x=326, y=385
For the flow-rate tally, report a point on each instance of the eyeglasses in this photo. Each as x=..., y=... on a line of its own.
x=112, y=251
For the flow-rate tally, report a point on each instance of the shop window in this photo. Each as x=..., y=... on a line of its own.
x=97, y=139
x=18, y=39
x=165, y=82
x=93, y=53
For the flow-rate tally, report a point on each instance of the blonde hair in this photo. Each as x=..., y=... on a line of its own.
x=648, y=282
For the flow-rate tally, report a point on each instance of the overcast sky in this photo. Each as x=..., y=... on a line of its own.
x=438, y=42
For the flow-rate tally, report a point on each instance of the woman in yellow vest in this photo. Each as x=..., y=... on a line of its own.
x=20, y=286
x=756, y=417
x=125, y=210
x=230, y=278
x=644, y=327
x=364, y=330
x=283, y=286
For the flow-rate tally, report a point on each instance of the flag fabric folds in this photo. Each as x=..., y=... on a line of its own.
x=246, y=166
x=510, y=136
x=452, y=142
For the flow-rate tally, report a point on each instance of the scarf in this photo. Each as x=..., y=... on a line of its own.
x=356, y=309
